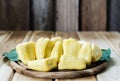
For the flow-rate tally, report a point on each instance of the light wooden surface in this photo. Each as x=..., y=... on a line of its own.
x=102, y=39
x=113, y=39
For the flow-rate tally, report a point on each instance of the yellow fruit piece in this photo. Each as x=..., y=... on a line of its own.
x=49, y=48
x=96, y=53
x=57, y=51
x=56, y=39
x=86, y=53
x=81, y=42
x=46, y=64
x=26, y=51
x=40, y=47
x=71, y=47
x=71, y=63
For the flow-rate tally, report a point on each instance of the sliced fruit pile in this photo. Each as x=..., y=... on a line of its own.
x=47, y=54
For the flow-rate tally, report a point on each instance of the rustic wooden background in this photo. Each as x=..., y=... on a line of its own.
x=60, y=15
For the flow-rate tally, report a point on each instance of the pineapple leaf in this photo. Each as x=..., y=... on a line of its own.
x=12, y=55
x=105, y=54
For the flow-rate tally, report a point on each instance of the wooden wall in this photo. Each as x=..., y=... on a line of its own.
x=93, y=15
x=43, y=12
x=56, y=15
x=67, y=15
x=14, y=14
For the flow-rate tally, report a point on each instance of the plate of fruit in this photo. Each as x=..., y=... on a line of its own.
x=58, y=58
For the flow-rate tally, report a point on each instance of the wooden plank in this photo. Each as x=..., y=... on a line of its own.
x=14, y=14
x=112, y=70
x=73, y=35
x=36, y=35
x=65, y=35
x=4, y=35
x=92, y=78
x=6, y=72
x=93, y=15
x=113, y=15
x=67, y=15
x=20, y=77
x=43, y=14
x=113, y=39
x=14, y=39
x=11, y=43
x=93, y=37
x=4, y=22
x=27, y=36
x=5, y=68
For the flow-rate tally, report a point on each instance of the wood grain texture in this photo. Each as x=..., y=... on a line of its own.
x=43, y=14
x=113, y=15
x=6, y=72
x=14, y=14
x=113, y=39
x=65, y=35
x=93, y=37
x=15, y=38
x=11, y=42
x=5, y=69
x=35, y=35
x=112, y=71
x=4, y=21
x=39, y=34
x=93, y=14
x=20, y=77
x=4, y=35
x=92, y=78
x=67, y=15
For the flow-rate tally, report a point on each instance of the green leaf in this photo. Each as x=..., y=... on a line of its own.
x=105, y=54
x=12, y=55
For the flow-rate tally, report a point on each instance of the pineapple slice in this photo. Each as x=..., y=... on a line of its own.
x=71, y=47
x=96, y=53
x=86, y=53
x=26, y=51
x=46, y=64
x=71, y=63
x=40, y=47
x=49, y=48
x=56, y=39
x=57, y=51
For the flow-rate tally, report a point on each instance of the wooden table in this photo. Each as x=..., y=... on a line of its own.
x=9, y=40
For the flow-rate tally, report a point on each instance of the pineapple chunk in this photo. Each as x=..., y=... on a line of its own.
x=49, y=48
x=71, y=63
x=71, y=47
x=57, y=51
x=86, y=53
x=96, y=53
x=40, y=47
x=56, y=39
x=26, y=51
x=46, y=64
x=81, y=42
